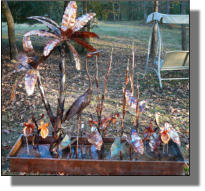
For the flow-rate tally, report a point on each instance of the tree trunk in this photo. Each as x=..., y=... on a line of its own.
x=167, y=7
x=11, y=30
x=130, y=10
x=153, y=51
x=183, y=29
x=119, y=16
x=145, y=9
x=113, y=10
x=159, y=6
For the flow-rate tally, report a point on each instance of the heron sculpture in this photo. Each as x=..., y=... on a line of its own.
x=82, y=101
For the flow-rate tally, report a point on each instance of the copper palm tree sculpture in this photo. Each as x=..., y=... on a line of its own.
x=60, y=37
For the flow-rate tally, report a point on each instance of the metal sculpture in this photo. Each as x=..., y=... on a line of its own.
x=80, y=103
x=28, y=63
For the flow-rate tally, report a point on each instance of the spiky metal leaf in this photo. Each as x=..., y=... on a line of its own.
x=55, y=29
x=75, y=56
x=82, y=21
x=41, y=33
x=84, y=34
x=50, y=46
x=84, y=44
x=69, y=16
x=30, y=81
x=46, y=19
x=27, y=45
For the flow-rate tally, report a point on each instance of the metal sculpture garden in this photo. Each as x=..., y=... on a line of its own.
x=125, y=144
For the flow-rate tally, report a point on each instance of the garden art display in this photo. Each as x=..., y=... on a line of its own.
x=155, y=152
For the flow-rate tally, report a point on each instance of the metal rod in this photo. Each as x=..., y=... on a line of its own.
x=45, y=102
x=124, y=97
x=61, y=99
x=70, y=152
x=27, y=145
x=90, y=151
x=81, y=149
x=130, y=152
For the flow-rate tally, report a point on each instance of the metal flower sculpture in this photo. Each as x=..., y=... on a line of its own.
x=28, y=63
x=69, y=30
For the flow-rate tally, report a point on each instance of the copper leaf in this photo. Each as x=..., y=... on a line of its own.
x=82, y=21
x=50, y=46
x=69, y=16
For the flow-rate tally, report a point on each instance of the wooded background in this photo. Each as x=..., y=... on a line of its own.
x=105, y=10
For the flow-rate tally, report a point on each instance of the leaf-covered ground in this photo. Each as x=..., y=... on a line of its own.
x=172, y=102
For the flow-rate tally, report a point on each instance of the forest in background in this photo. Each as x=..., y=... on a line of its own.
x=105, y=10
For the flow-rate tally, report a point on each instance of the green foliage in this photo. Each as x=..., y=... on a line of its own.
x=21, y=10
x=129, y=10
x=103, y=10
x=175, y=8
x=186, y=169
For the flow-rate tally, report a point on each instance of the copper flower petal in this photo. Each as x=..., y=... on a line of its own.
x=165, y=138
x=50, y=46
x=30, y=81
x=82, y=21
x=69, y=16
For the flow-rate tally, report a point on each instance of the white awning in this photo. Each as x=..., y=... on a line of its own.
x=169, y=19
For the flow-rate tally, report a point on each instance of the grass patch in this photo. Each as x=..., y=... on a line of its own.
x=116, y=32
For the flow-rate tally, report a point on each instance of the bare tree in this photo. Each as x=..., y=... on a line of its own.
x=11, y=30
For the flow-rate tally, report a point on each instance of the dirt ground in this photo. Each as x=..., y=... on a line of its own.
x=172, y=102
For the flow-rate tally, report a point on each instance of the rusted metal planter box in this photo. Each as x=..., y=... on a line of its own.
x=74, y=166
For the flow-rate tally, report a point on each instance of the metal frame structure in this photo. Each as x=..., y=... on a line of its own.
x=161, y=57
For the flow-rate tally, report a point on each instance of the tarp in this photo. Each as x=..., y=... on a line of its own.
x=169, y=19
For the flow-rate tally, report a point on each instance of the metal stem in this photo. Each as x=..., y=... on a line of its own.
x=45, y=102
x=61, y=99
